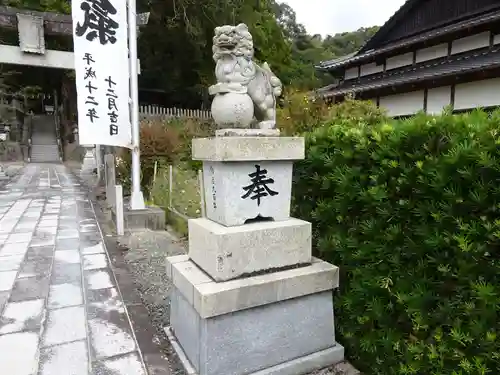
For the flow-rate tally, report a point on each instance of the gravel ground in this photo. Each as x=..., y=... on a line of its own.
x=145, y=259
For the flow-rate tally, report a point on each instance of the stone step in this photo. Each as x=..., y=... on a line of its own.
x=45, y=160
x=44, y=134
x=44, y=153
x=43, y=143
x=44, y=147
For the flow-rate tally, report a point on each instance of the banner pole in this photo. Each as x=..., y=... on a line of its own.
x=137, y=198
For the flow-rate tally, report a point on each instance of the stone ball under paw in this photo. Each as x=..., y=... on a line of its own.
x=232, y=110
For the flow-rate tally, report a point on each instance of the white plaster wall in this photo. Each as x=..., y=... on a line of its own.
x=471, y=42
x=403, y=104
x=484, y=93
x=433, y=52
x=371, y=69
x=351, y=73
x=437, y=99
x=399, y=61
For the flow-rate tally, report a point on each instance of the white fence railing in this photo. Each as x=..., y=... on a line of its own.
x=152, y=111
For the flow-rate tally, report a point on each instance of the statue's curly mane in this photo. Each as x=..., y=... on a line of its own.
x=232, y=40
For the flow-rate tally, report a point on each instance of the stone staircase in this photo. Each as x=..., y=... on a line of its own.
x=44, y=147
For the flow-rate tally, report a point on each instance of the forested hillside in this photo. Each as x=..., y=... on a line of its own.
x=175, y=47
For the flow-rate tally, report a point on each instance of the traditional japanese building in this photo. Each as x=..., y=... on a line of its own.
x=428, y=55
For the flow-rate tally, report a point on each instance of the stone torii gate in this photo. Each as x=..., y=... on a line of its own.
x=32, y=27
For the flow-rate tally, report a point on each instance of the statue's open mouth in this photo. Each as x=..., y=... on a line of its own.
x=226, y=46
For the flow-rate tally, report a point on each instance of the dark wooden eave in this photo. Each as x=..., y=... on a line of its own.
x=479, y=60
x=435, y=36
x=440, y=81
x=419, y=16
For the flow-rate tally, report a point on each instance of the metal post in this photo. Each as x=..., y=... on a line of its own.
x=137, y=198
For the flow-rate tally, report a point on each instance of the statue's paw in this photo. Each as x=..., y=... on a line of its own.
x=214, y=89
x=237, y=87
x=275, y=81
x=268, y=124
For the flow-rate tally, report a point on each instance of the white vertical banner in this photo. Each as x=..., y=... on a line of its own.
x=102, y=72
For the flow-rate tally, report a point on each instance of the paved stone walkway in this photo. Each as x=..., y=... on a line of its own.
x=60, y=311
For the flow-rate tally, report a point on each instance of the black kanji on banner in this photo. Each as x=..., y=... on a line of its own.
x=91, y=101
x=97, y=22
x=113, y=114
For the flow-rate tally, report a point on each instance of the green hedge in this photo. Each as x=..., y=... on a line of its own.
x=410, y=212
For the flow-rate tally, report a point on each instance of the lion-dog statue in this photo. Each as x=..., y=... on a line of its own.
x=236, y=72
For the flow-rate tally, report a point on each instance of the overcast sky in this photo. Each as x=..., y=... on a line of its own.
x=336, y=16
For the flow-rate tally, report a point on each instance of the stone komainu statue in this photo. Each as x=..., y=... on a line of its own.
x=243, y=88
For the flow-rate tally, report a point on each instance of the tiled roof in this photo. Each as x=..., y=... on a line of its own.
x=337, y=63
x=471, y=61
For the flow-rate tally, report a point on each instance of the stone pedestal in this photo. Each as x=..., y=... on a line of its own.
x=152, y=218
x=249, y=298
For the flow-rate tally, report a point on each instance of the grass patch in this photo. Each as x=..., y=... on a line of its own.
x=185, y=196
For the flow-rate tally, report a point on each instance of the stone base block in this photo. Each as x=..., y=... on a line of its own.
x=292, y=337
x=210, y=298
x=299, y=366
x=151, y=218
x=226, y=253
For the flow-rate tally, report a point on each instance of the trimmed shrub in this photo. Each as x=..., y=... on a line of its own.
x=410, y=212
